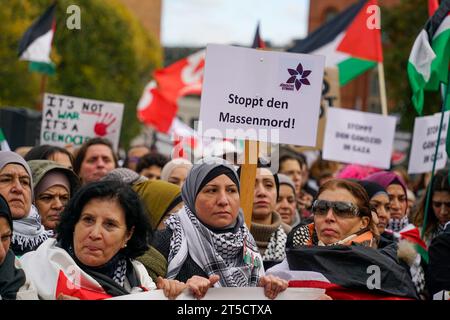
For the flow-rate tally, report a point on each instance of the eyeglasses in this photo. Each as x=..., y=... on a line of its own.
x=340, y=208
x=438, y=204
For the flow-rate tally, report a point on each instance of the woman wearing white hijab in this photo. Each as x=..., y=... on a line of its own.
x=176, y=170
x=16, y=187
x=208, y=237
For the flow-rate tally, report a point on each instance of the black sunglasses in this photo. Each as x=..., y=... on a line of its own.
x=341, y=209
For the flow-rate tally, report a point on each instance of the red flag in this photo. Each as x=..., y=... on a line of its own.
x=158, y=104
x=433, y=5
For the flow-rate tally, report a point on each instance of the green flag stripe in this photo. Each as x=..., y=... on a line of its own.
x=439, y=65
x=42, y=67
x=353, y=67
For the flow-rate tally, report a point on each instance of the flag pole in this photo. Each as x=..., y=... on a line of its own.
x=247, y=178
x=42, y=92
x=382, y=85
x=445, y=91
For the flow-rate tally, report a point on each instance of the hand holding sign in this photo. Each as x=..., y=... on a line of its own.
x=100, y=128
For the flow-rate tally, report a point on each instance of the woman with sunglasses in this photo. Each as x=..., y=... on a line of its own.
x=438, y=213
x=336, y=250
x=341, y=216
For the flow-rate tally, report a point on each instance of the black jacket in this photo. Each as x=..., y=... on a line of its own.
x=438, y=272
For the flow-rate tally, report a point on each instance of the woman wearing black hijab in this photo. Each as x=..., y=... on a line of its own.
x=208, y=237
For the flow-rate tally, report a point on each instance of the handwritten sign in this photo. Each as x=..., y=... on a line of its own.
x=359, y=137
x=261, y=95
x=71, y=120
x=424, y=141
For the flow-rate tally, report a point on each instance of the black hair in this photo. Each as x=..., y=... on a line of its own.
x=45, y=152
x=299, y=158
x=151, y=159
x=135, y=215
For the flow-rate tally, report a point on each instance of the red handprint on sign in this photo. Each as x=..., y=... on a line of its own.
x=101, y=126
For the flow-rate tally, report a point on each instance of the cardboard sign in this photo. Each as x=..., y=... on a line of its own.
x=261, y=95
x=359, y=137
x=70, y=120
x=425, y=136
x=331, y=97
x=242, y=293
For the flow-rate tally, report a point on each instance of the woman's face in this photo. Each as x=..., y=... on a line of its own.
x=265, y=195
x=178, y=176
x=50, y=204
x=5, y=239
x=97, y=162
x=331, y=228
x=61, y=158
x=397, y=199
x=100, y=232
x=217, y=204
x=15, y=187
x=441, y=206
x=286, y=204
x=381, y=204
x=292, y=169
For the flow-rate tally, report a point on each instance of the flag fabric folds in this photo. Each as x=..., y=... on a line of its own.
x=351, y=41
x=35, y=45
x=429, y=59
x=158, y=104
x=4, y=146
x=350, y=272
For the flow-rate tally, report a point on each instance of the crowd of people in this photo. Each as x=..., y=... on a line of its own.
x=74, y=224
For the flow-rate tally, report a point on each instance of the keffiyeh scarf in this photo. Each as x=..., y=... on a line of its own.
x=396, y=225
x=233, y=255
x=276, y=249
x=28, y=233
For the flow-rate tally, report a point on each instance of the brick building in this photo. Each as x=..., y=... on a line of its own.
x=363, y=92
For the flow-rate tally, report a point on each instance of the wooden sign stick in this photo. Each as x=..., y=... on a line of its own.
x=248, y=176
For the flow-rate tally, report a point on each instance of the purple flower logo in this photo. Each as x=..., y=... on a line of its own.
x=299, y=76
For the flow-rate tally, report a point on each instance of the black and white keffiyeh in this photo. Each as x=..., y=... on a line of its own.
x=396, y=225
x=233, y=255
x=276, y=249
x=28, y=233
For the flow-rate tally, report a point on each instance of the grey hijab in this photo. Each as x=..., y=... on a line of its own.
x=8, y=157
x=198, y=173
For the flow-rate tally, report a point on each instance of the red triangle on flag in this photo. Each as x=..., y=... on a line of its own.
x=362, y=38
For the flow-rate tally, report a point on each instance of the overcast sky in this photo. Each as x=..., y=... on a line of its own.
x=198, y=22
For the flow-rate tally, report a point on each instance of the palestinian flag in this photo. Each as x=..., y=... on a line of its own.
x=257, y=40
x=350, y=41
x=348, y=272
x=4, y=146
x=430, y=56
x=36, y=43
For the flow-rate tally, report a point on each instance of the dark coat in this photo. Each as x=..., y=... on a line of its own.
x=438, y=273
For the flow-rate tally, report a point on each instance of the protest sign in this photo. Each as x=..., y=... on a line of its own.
x=70, y=120
x=359, y=137
x=232, y=293
x=424, y=141
x=261, y=95
x=331, y=97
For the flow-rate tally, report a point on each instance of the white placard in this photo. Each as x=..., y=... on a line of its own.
x=359, y=137
x=423, y=147
x=261, y=95
x=71, y=120
x=244, y=293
